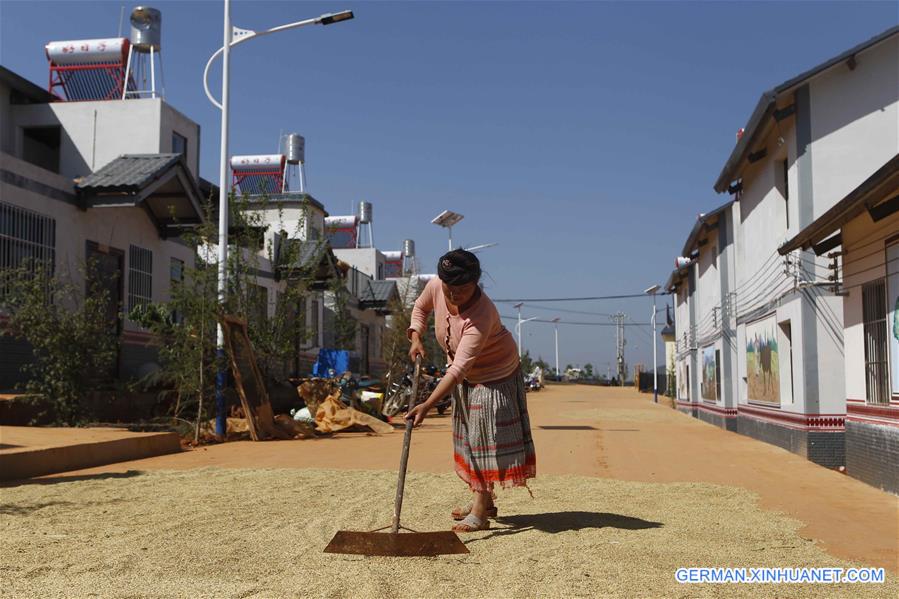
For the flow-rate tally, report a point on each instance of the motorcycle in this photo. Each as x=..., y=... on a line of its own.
x=399, y=391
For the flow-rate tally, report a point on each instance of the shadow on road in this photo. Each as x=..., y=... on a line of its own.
x=555, y=522
x=62, y=478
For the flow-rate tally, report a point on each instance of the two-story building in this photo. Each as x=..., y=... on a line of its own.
x=105, y=182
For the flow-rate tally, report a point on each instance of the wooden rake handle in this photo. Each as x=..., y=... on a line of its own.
x=404, y=457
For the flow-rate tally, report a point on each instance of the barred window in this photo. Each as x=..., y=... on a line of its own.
x=27, y=238
x=874, y=311
x=140, y=277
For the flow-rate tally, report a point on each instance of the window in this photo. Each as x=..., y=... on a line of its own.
x=179, y=144
x=26, y=238
x=40, y=146
x=140, y=277
x=874, y=316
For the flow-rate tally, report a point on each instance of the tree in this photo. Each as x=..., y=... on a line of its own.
x=527, y=364
x=588, y=370
x=185, y=326
x=71, y=336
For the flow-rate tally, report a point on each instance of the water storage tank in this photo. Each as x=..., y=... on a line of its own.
x=341, y=222
x=85, y=52
x=146, y=29
x=293, y=145
x=409, y=248
x=259, y=163
x=365, y=213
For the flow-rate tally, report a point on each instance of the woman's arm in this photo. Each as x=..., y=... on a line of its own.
x=444, y=388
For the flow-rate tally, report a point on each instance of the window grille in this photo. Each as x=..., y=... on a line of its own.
x=27, y=238
x=140, y=277
x=874, y=312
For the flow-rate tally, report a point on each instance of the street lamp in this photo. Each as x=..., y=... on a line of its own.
x=231, y=37
x=518, y=328
x=556, y=327
x=655, y=375
x=447, y=219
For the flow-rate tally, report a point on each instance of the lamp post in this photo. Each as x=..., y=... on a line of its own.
x=231, y=37
x=655, y=374
x=447, y=219
x=556, y=327
x=518, y=326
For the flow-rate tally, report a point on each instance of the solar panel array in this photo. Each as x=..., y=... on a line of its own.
x=90, y=81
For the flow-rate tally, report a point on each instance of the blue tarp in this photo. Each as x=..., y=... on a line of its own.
x=336, y=359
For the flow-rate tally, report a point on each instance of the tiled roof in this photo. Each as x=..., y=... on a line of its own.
x=131, y=171
x=377, y=292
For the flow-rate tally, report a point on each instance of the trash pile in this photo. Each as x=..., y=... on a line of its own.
x=328, y=405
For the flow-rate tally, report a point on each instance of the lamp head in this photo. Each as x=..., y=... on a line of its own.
x=336, y=17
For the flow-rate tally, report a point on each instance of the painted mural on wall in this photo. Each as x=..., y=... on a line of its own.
x=709, y=376
x=682, y=382
x=762, y=362
x=893, y=306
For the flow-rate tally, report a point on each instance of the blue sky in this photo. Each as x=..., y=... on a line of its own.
x=583, y=137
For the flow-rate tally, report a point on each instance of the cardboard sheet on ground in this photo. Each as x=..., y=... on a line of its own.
x=333, y=415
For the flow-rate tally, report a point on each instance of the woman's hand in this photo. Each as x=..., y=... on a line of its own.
x=418, y=413
x=417, y=348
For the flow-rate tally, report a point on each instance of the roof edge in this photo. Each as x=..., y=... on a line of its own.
x=844, y=210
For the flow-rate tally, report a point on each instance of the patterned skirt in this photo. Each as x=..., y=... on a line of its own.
x=494, y=446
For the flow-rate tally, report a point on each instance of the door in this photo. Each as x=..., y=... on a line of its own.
x=106, y=274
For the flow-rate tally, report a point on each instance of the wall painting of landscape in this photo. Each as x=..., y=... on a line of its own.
x=762, y=363
x=709, y=374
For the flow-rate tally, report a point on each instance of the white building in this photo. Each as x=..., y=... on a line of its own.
x=96, y=181
x=778, y=342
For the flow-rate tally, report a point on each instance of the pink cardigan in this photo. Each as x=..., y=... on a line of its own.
x=484, y=349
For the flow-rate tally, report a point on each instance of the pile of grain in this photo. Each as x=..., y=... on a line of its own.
x=261, y=533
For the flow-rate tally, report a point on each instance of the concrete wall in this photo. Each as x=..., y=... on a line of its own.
x=117, y=228
x=854, y=122
x=95, y=133
x=368, y=260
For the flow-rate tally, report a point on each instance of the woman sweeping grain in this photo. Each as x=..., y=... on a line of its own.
x=491, y=429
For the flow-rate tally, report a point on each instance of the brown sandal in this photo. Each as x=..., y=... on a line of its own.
x=471, y=523
x=459, y=513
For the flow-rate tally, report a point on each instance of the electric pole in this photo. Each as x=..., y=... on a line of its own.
x=618, y=318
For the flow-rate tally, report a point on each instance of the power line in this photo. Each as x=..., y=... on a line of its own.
x=574, y=299
x=594, y=324
x=567, y=311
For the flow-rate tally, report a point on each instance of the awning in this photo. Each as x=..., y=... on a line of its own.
x=377, y=295
x=161, y=184
x=878, y=195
